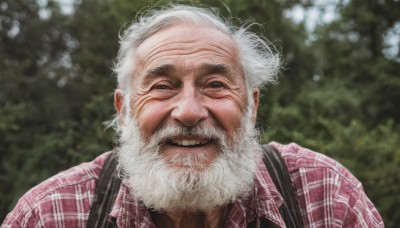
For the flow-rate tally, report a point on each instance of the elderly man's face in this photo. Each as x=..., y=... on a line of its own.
x=190, y=77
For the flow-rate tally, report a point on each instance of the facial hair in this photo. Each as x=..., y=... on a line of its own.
x=161, y=187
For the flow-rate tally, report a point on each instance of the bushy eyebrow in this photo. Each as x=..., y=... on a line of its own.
x=165, y=69
x=204, y=69
x=216, y=69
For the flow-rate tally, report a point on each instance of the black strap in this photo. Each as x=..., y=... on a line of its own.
x=290, y=210
x=106, y=192
x=109, y=183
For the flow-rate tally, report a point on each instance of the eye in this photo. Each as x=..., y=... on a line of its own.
x=216, y=85
x=161, y=86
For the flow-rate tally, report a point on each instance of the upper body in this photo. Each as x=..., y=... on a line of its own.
x=187, y=100
x=329, y=196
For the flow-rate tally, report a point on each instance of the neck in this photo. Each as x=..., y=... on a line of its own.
x=175, y=219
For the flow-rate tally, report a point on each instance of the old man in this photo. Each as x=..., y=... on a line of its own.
x=187, y=153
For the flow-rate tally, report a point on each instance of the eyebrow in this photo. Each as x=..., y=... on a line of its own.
x=216, y=69
x=165, y=69
x=205, y=69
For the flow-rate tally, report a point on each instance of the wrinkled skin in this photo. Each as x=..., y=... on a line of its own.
x=188, y=76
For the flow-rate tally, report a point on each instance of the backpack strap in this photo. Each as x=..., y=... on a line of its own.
x=290, y=210
x=105, y=194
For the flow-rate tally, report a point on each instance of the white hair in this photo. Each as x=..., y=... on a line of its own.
x=259, y=61
x=161, y=187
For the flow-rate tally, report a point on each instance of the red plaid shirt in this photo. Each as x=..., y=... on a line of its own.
x=329, y=196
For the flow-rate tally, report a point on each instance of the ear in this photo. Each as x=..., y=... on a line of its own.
x=256, y=95
x=119, y=104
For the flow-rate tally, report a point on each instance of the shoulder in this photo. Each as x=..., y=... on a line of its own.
x=326, y=190
x=300, y=159
x=67, y=193
x=80, y=175
x=316, y=174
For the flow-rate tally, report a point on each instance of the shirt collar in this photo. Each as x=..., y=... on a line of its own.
x=264, y=202
x=128, y=212
x=266, y=196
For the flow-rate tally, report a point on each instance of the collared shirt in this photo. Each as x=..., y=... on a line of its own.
x=329, y=196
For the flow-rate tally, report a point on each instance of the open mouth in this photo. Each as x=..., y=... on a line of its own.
x=189, y=142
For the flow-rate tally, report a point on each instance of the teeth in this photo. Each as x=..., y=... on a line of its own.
x=187, y=142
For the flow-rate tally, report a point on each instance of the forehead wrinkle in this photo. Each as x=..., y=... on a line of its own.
x=198, y=51
x=186, y=44
x=191, y=46
x=144, y=57
x=231, y=52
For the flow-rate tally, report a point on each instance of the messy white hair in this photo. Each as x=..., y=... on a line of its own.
x=259, y=60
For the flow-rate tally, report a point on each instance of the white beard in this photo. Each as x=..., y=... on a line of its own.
x=161, y=187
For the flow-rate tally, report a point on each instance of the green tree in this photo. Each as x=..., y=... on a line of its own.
x=346, y=107
x=56, y=85
x=31, y=48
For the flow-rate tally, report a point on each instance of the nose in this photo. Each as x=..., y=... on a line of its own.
x=189, y=109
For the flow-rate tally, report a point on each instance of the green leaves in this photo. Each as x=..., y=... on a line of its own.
x=345, y=102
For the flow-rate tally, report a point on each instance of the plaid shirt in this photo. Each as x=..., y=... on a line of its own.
x=329, y=196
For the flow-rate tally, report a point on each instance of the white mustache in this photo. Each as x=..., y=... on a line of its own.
x=160, y=187
x=168, y=133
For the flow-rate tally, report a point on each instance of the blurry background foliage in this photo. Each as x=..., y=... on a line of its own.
x=339, y=88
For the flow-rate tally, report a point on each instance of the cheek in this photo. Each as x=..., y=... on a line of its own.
x=227, y=113
x=150, y=116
